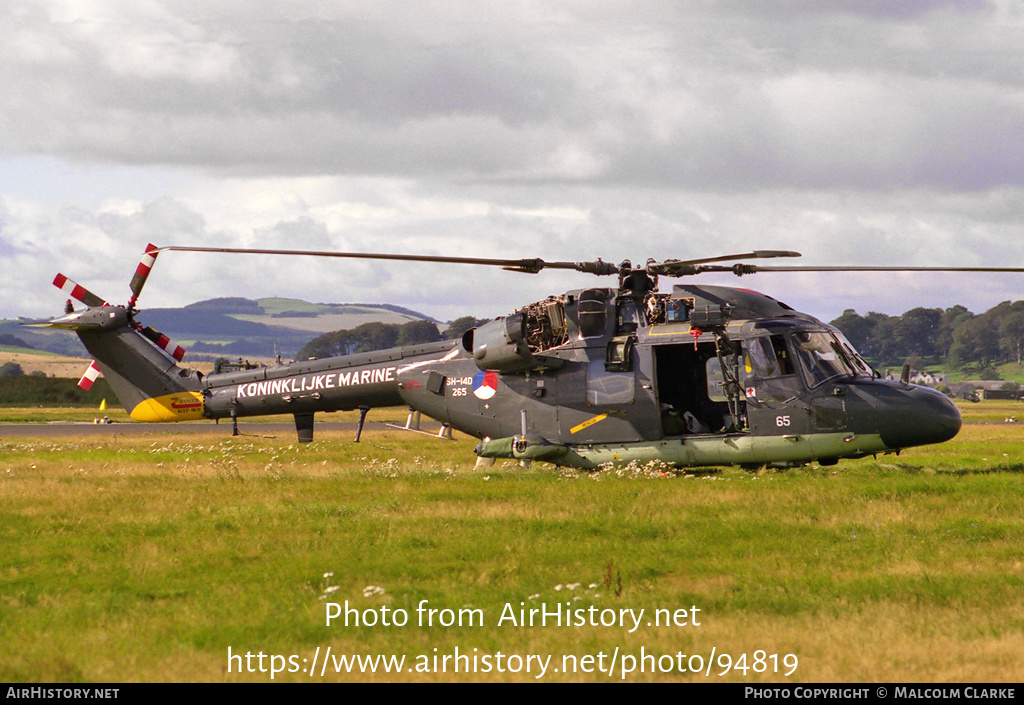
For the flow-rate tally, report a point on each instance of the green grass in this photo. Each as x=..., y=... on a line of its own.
x=147, y=558
x=1011, y=371
x=27, y=351
x=116, y=414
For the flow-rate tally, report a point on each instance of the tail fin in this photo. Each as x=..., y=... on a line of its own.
x=150, y=386
x=148, y=383
x=136, y=360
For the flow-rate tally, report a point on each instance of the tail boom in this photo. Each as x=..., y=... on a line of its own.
x=153, y=388
x=332, y=384
x=148, y=383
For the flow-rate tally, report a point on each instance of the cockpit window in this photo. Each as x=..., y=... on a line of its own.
x=760, y=359
x=824, y=356
x=860, y=366
x=766, y=357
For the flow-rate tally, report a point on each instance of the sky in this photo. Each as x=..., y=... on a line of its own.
x=857, y=132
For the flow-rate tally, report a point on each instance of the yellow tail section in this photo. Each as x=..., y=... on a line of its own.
x=182, y=406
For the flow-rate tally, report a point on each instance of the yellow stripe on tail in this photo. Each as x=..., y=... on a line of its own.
x=182, y=406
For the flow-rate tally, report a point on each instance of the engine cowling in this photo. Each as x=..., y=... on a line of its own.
x=500, y=345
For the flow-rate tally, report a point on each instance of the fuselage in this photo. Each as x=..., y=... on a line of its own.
x=704, y=375
x=593, y=377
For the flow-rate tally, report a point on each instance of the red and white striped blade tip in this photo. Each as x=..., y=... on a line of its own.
x=164, y=343
x=77, y=291
x=143, y=270
x=89, y=377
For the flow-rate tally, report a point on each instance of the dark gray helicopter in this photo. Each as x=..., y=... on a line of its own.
x=701, y=376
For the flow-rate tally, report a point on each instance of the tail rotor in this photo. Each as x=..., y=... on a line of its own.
x=78, y=292
x=162, y=341
x=142, y=273
x=90, y=376
x=91, y=300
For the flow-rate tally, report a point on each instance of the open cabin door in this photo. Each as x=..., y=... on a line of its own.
x=693, y=393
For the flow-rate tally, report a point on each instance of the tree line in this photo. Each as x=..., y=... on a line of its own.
x=380, y=336
x=954, y=337
x=40, y=390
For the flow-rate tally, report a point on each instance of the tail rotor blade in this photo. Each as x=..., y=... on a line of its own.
x=77, y=291
x=142, y=272
x=89, y=377
x=163, y=342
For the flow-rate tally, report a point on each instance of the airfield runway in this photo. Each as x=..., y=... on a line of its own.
x=62, y=429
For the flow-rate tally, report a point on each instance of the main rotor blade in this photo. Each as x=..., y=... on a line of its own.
x=676, y=268
x=528, y=266
x=753, y=269
x=756, y=254
x=681, y=268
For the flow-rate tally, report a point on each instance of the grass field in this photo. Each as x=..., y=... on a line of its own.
x=148, y=558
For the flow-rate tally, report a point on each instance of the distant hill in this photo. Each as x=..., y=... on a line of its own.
x=234, y=327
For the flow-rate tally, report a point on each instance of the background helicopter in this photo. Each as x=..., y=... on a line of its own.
x=701, y=376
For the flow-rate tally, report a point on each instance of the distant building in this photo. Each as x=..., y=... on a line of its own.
x=929, y=379
x=984, y=389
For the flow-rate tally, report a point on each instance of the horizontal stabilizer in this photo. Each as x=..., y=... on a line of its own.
x=103, y=318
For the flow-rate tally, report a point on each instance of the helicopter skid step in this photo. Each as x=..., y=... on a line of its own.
x=412, y=423
x=445, y=432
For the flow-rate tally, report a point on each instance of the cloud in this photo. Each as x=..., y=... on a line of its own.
x=848, y=94
x=854, y=131
x=100, y=247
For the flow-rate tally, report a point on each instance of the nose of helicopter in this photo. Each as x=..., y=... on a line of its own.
x=917, y=416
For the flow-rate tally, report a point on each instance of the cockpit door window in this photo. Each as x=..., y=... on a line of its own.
x=823, y=357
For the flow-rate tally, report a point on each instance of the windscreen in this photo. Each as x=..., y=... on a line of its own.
x=826, y=355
